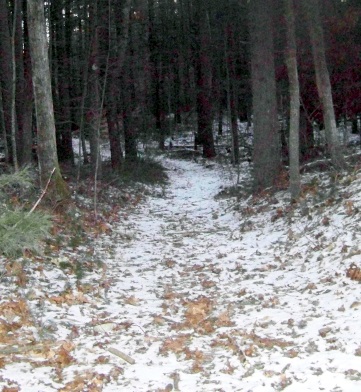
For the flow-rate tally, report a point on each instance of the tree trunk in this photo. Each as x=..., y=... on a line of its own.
x=294, y=91
x=203, y=69
x=94, y=91
x=266, y=153
x=130, y=131
x=130, y=136
x=220, y=117
x=129, y=95
x=314, y=24
x=24, y=87
x=307, y=141
x=14, y=128
x=47, y=155
x=113, y=96
x=232, y=95
x=157, y=93
x=61, y=43
x=6, y=73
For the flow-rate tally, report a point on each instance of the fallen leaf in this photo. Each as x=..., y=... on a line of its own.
x=198, y=310
x=175, y=345
x=132, y=300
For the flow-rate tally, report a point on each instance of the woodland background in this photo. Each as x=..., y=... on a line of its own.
x=218, y=272
x=136, y=70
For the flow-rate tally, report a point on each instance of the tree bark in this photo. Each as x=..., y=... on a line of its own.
x=232, y=95
x=294, y=91
x=122, y=14
x=155, y=56
x=24, y=88
x=6, y=73
x=307, y=141
x=314, y=24
x=47, y=154
x=128, y=104
x=61, y=43
x=94, y=90
x=203, y=70
x=266, y=153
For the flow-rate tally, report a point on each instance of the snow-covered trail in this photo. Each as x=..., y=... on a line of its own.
x=257, y=311
x=173, y=238
x=205, y=298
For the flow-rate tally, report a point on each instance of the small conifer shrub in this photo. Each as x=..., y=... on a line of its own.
x=20, y=228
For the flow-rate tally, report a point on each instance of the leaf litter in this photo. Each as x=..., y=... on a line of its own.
x=197, y=289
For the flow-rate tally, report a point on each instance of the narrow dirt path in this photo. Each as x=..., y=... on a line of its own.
x=170, y=263
x=224, y=307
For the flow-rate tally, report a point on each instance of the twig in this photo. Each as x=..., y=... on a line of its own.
x=42, y=193
x=122, y=355
x=136, y=325
x=39, y=200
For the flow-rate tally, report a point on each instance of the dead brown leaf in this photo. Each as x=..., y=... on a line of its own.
x=268, y=342
x=354, y=272
x=207, y=284
x=224, y=319
x=229, y=369
x=250, y=351
x=292, y=353
x=15, y=314
x=228, y=341
x=311, y=286
x=159, y=320
x=10, y=389
x=170, y=263
x=349, y=207
x=2, y=363
x=198, y=357
x=132, y=300
x=63, y=357
x=198, y=310
x=175, y=345
x=75, y=298
x=76, y=385
x=326, y=221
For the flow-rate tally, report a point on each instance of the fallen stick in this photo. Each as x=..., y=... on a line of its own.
x=122, y=355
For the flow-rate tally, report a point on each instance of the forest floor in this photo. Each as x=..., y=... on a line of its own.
x=193, y=287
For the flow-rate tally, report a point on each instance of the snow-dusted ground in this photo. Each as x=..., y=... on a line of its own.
x=202, y=296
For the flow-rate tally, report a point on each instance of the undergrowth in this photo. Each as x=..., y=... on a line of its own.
x=20, y=228
x=143, y=170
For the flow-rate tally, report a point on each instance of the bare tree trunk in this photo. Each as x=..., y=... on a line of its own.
x=314, y=23
x=6, y=73
x=61, y=36
x=155, y=56
x=129, y=99
x=266, y=153
x=294, y=91
x=307, y=141
x=113, y=96
x=13, y=90
x=24, y=87
x=232, y=95
x=203, y=68
x=47, y=154
x=3, y=128
x=94, y=114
